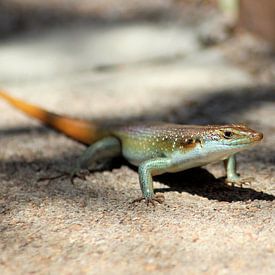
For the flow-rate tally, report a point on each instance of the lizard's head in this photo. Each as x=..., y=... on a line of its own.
x=234, y=137
x=216, y=142
x=211, y=143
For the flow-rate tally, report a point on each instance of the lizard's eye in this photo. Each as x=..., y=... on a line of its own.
x=227, y=134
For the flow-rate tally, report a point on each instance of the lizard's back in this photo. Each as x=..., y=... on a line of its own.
x=141, y=142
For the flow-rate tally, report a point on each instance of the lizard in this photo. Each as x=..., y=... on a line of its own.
x=154, y=147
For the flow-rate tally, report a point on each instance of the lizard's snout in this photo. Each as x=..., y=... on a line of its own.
x=257, y=136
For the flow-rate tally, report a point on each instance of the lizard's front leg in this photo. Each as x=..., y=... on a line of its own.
x=146, y=170
x=105, y=148
x=232, y=176
x=230, y=166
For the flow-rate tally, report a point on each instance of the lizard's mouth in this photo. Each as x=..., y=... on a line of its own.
x=252, y=139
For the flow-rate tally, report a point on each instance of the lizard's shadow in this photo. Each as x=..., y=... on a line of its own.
x=199, y=181
x=195, y=181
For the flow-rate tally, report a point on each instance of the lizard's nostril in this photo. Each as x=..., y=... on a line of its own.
x=257, y=136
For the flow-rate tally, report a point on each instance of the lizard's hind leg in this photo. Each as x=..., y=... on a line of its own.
x=108, y=147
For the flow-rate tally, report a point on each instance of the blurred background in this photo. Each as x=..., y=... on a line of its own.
x=44, y=38
x=163, y=51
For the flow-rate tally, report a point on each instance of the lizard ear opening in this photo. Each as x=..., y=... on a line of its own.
x=189, y=141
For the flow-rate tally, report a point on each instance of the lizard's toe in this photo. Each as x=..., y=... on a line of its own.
x=240, y=182
x=78, y=175
x=159, y=198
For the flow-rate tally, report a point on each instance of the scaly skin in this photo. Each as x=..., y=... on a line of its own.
x=156, y=148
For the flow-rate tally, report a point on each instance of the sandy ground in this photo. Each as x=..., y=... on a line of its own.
x=137, y=71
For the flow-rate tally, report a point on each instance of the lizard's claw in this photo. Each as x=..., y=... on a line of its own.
x=159, y=198
x=240, y=182
x=77, y=174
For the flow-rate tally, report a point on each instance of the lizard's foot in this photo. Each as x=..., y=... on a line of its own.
x=159, y=198
x=78, y=174
x=238, y=181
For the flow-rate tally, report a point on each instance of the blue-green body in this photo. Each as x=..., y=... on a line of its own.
x=161, y=148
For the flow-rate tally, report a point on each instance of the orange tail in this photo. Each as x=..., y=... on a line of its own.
x=83, y=131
